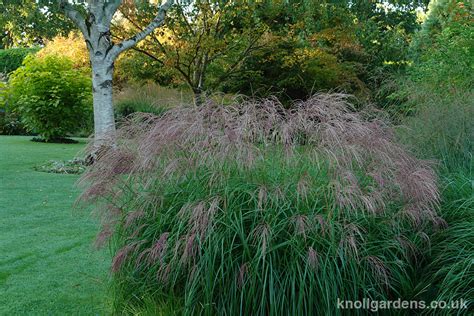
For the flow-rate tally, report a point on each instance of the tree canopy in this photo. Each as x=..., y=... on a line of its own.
x=30, y=22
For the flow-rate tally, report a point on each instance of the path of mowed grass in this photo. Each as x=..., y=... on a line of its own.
x=48, y=265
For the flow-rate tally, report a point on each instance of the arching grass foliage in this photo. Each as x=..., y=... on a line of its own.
x=252, y=209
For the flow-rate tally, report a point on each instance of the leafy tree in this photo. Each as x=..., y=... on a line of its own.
x=30, y=22
x=385, y=30
x=327, y=45
x=311, y=46
x=299, y=69
x=134, y=66
x=442, y=66
x=201, y=38
x=301, y=46
x=444, y=48
x=443, y=14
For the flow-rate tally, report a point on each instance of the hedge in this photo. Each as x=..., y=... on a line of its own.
x=11, y=59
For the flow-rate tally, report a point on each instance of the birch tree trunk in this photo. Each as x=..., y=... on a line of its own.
x=104, y=120
x=95, y=27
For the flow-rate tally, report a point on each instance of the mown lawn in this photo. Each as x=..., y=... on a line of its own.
x=48, y=265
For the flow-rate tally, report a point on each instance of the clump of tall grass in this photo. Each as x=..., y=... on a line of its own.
x=253, y=209
x=148, y=97
x=442, y=129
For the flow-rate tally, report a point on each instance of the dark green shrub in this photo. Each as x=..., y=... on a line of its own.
x=447, y=65
x=127, y=107
x=251, y=209
x=52, y=98
x=11, y=59
x=10, y=123
x=294, y=71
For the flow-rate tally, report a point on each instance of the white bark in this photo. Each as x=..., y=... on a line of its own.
x=104, y=121
x=103, y=52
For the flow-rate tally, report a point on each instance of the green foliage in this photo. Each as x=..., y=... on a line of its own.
x=11, y=59
x=293, y=69
x=203, y=42
x=52, y=98
x=348, y=46
x=31, y=22
x=291, y=49
x=10, y=123
x=444, y=13
x=442, y=70
x=127, y=107
x=449, y=275
x=444, y=49
x=135, y=66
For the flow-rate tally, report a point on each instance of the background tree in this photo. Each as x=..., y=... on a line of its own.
x=328, y=44
x=30, y=22
x=201, y=38
x=312, y=46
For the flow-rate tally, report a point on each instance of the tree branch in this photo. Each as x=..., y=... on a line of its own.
x=140, y=29
x=75, y=16
x=144, y=52
x=157, y=22
x=110, y=8
x=240, y=59
x=150, y=55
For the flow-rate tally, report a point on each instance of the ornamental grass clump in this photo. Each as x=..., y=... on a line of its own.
x=254, y=209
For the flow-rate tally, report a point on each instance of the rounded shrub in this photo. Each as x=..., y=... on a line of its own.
x=52, y=98
x=251, y=209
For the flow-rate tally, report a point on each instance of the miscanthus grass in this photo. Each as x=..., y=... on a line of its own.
x=251, y=209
